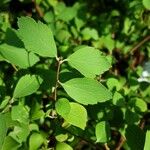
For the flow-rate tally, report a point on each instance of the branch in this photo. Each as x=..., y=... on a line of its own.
x=59, y=61
x=38, y=9
x=121, y=142
x=15, y=68
x=138, y=45
x=106, y=146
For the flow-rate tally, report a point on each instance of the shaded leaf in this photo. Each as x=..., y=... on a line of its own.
x=135, y=137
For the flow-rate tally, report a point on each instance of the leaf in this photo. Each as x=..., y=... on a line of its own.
x=20, y=132
x=89, y=61
x=18, y=56
x=63, y=107
x=102, y=132
x=66, y=13
x=86, y=91
x=35, y=141
x=135, y=137
x=63, y=146
x=140, y=105
x=76, y=114
x=146, y=4
x=61, y=137
x=12, y=39
x=118, y=99
x=35, y=110
x=10, y=143
x=20, y=113
x=89, y=33
x=113, y=83
x=147, y=143
x=3, y=130
x=37, y=37
x=27, y=85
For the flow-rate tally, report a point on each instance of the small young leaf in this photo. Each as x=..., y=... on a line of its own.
x=35, y=141
x=102, y=132
x=37, y=37
x=18, y=56
x=27, y=85
x=86, y=91
x=89, y=61
x=147, y=143
x=63, y=146
x=61, y=137
x=73, y=113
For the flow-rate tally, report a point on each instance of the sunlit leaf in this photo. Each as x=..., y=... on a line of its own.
x=86, y=91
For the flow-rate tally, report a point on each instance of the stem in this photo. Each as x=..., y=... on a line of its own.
x=38, y=9
x=14, y=67
x=121, y=142
x=59, y=61
x=140, y=44
x=106, y=146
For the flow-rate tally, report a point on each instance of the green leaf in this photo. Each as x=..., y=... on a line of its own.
x=36, y=112
x=102, y=132
x=20, y=113
x=61, y=137
x=89, y=61
x=113, y=83
x=118, y=99
x=37, y=37
x=35, y=141
x=66, y=13
x=63, y=146
x=63, y=107
x=146, y=4
x=10, y=143
x=135, y=137
x=27, y=85
x=89, y=33
x=140, y=105
x=147, y=143
x=17, y=56
x=3, y=129
x=73, y=113
x=20, y=132
x=77, y=115
x=86, y=91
